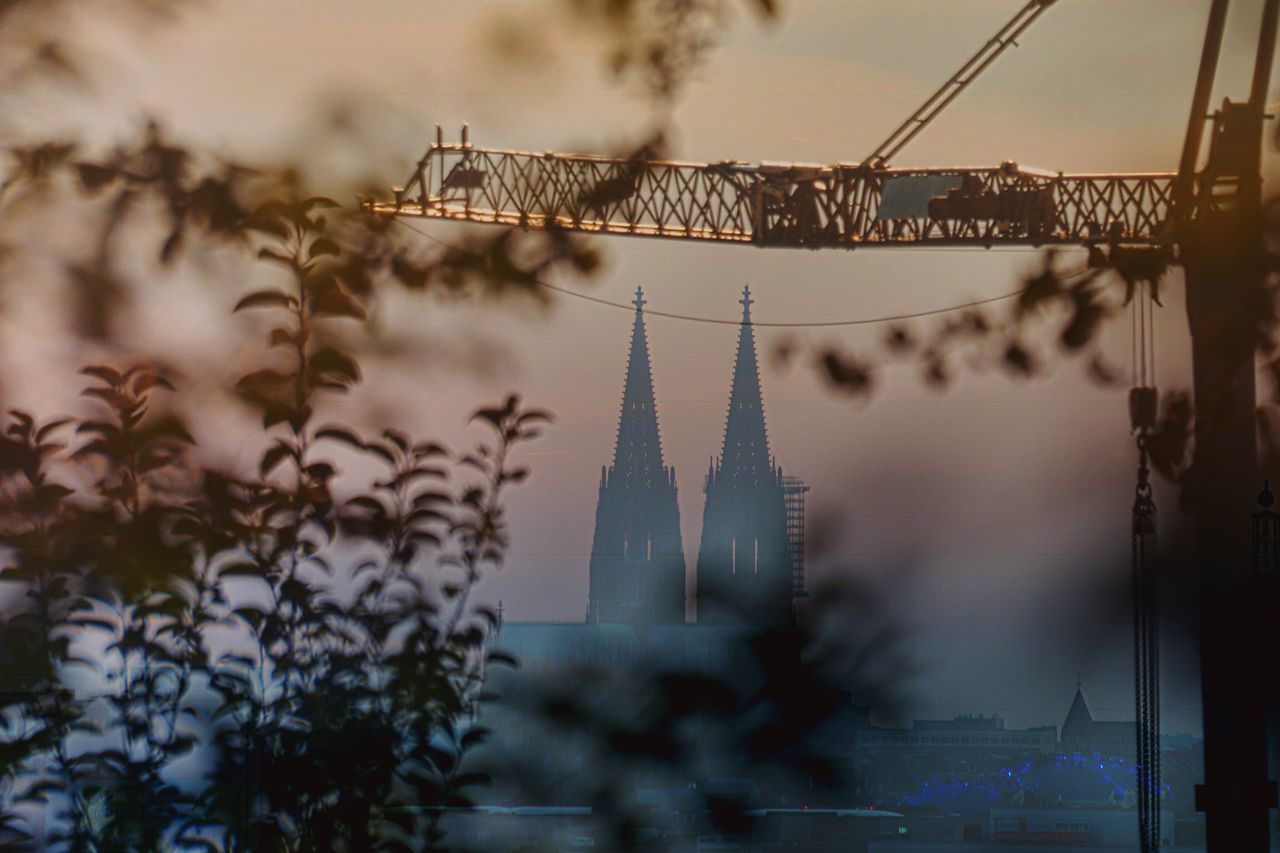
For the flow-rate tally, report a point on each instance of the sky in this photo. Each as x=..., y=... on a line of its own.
x=994, y=512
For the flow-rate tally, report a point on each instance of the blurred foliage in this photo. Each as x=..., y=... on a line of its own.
x=318, y=653
x=38, y=40
x=660, y=44
x=202, y=658
x=291, y=658
x=741, y=716
x=1061, y=314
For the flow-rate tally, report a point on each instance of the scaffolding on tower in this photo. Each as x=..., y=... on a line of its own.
x=793, y=492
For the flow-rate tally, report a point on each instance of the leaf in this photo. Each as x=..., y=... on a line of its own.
x=370, y=503
x=379, y=449
x=102, y=428
x=48, y=495
x=145, y=381
x=94, y=177
x=272, y=255
x=107, y=374
x=266, y=219
x=493, y=416
x=110, y=396
x=170, y=427
x=323, y=246
x=330, y=300
x=429, y=448
x=534, y=416
x=425, y=499
x=261, y=378
x=330, y=361
x=50, y=427
x=503, y=658
x=274, y=455
x=266, y=299
x=341, y=435
x=1018, y=360
x=99, y=622
x=470, y=780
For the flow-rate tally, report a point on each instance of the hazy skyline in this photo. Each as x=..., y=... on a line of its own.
x=1002, y=505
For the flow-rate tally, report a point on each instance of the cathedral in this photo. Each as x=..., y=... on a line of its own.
x=637, y=558
x=744, y=562
x=750, y=561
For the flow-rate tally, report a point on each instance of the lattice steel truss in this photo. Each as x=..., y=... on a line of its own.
x=840, y=206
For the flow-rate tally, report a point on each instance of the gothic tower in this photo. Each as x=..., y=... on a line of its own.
x=744, y=562
x=637, y=560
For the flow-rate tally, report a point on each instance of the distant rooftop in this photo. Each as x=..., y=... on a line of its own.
x=963, y=722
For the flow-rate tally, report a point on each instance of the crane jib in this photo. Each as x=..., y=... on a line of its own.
x=782, y=204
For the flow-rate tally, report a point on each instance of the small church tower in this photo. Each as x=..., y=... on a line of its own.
x=637, y=559
x=745, y=566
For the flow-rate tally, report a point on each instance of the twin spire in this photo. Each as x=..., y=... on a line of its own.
x=638, y=451
x=745, y=448
x=637, y=556
x=746, y=440
x=745, y=557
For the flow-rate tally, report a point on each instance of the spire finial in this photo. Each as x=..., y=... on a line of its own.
x=639, y=301
x=1265, y=498
x=746, y=302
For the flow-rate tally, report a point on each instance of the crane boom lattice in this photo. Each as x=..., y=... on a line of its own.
x=778, y=204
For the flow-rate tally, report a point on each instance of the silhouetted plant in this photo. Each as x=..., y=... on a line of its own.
x=317, y=655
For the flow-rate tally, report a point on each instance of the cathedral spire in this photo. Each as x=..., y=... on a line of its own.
x=744, y=561
x=746, y=441
x=638, y=453
x=637, y=558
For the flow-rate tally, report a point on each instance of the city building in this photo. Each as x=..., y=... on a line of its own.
x=1082, y=734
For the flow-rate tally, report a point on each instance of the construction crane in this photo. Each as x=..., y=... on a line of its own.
x=1209, y=218
x=845, y=205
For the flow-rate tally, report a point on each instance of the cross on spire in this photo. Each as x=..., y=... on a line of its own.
x=746, y=302
x=639, y=301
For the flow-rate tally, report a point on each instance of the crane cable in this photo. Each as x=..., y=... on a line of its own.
x=1143, y=409
x=689, y=318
